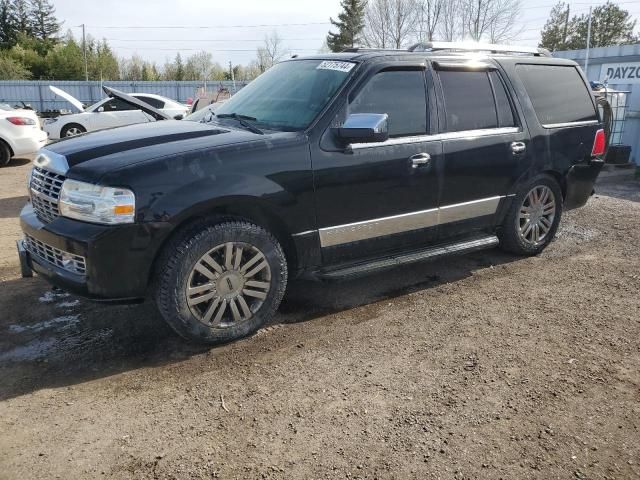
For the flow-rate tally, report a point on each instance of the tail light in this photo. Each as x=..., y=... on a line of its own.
x=599, y=144
x=21, y=120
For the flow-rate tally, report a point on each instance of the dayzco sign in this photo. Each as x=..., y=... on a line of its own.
x=621, y=72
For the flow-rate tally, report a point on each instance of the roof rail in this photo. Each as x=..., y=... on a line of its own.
x=478, y=47
x=371, y=49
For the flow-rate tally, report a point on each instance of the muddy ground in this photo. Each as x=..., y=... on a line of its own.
x=484, y=366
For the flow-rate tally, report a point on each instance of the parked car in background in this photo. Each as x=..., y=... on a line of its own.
x=20, y=133
x=330, y=166
x=107, y=113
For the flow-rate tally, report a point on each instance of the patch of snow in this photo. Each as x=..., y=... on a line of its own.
x=65, y=321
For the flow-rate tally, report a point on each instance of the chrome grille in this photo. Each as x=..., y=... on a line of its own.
x=65, y=260
x=45, y=191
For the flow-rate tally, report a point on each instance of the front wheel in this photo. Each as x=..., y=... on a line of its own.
x=221, y=283
x=72, y=130
x=533, y=218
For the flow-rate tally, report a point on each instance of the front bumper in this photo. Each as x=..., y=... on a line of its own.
x=119, y=258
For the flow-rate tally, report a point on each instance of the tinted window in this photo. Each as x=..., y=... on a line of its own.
x=290, y=94
x=468, y=100
x=154, y=102
x=505, y=113
x=116, y=105
x=401, y=95
x=558, y=93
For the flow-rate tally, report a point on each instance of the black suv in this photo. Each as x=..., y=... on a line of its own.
x=327, y=166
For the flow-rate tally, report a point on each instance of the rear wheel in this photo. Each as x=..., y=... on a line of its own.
x=222, y=282
x=534, y=216
x=72, y=130
x=5, y=154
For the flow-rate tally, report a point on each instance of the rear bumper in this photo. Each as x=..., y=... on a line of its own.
x=581, y=179
x=119, y=259
x=29, y=144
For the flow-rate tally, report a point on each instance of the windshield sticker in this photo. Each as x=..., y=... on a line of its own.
x=334, y=65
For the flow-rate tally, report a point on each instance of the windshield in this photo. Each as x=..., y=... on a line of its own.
x=286, y=97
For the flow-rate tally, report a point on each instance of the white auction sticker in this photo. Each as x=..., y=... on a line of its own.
x=335, y=65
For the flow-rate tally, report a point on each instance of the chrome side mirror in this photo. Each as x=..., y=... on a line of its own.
x=364, y=128
x=100, y=109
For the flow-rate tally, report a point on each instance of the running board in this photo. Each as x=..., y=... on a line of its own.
x=432, y=253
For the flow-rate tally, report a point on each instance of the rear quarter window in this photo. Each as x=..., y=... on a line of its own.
x=558, y=93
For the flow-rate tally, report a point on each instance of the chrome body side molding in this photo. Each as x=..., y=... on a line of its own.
x=466, y=134
x=570, y=124
x=378, y=227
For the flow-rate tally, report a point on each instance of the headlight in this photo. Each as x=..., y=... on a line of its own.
x=96, y=204
x=50, y=120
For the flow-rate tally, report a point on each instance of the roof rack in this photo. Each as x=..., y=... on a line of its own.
x=478, y=47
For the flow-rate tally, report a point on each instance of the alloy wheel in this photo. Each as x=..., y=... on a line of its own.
x=536, y=215
x=73, y=131
x=228, y=284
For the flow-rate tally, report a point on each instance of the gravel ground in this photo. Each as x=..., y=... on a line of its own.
x=483, y=366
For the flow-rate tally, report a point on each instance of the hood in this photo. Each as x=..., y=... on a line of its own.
x=136, y=103
x=69, y=98
x=93, y=154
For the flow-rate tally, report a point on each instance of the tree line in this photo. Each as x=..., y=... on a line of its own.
x=398, y=23
x=32, y=47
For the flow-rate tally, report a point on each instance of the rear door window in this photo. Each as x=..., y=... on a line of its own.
x=468, y=100
x=401, y=94
x=557, y=92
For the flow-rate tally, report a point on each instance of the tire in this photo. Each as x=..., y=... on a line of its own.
x=200, y=260
x=533, y=200
x=5, y=154
x=71, y=130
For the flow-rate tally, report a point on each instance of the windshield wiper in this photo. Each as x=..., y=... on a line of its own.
x=242, y=120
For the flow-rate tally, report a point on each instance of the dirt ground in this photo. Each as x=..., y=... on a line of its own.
x=484, y=366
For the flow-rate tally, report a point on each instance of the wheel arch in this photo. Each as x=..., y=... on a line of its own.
x=247, y=208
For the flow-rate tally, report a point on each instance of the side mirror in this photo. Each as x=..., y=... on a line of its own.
x=364, y=128
x=178, y=117
x=100, y=109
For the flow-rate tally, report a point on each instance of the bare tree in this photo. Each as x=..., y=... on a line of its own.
x=389, y=23
x=428, y=18
x=493, y=20
x=271, y=52
x=450, y=25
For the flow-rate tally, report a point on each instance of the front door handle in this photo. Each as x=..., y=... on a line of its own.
x=518, y=147
x=420, y=160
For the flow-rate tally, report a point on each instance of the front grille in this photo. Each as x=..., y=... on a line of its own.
x=45, y=191
x=67, y=261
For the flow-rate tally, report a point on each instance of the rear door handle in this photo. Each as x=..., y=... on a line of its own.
x=518, y=147
x=420, y=160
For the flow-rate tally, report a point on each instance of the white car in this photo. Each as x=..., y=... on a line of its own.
x=107, y=113
x=20, y=133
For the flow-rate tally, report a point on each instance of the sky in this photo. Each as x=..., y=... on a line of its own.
x=232, y=30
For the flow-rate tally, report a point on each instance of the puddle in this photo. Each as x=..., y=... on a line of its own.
x=31, y=351
x=63, y=347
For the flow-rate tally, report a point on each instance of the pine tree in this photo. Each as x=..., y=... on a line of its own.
x=44, y=24
x=556, y=31
x=21, y=13
x=179, y=68
x=610, y=25
x=350, y=24
x=7, y=24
